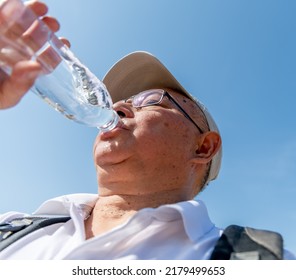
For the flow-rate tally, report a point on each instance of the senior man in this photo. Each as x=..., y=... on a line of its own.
x=164, y=151
x=149, y=168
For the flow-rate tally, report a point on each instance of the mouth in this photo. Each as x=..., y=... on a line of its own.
x=114, y=132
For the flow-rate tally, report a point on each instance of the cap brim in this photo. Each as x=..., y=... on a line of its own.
x=141, y=71
x=137, y=72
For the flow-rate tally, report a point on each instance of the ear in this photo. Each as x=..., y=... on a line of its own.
x=208, y=145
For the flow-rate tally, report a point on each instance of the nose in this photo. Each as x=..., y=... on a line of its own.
x=123, y=109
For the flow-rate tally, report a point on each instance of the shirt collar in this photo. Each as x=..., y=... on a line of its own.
x=61, y=205
x=193, y=213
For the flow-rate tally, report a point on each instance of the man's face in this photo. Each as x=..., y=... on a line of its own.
x=153, y=146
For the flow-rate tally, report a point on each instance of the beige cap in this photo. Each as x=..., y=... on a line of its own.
x=140, y=71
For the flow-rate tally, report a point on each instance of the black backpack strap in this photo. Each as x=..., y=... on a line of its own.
x=17, y=228
x=244, y=243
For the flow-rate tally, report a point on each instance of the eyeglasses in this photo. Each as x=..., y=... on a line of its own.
x=154, y=97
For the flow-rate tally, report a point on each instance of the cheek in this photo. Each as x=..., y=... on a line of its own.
x=180, y=131
x=165, y=138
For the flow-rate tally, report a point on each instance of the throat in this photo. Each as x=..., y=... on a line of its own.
x=115, y=210
x=106, y=217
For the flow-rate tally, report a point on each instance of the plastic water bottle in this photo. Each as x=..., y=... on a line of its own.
x=65, y=84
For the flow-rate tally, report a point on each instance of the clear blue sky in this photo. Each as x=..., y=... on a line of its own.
x=237, y=56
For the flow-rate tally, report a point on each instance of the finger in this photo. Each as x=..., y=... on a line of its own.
x=52, y=23
x=15, y=19
x=37, y=34
x=18, y=83
x=65, y=41
x=10, y=55
x=3, y=76
x=39, y=8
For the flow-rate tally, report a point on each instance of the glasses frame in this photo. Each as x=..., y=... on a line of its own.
x=170, y=98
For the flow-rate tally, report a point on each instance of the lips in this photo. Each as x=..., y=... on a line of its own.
x=115, y=131
x=121, y=124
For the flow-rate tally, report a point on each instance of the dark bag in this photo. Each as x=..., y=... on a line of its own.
x=19, y=227
x=244, y=243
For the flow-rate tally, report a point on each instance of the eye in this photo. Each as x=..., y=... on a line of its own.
x=149, y=101
x=143, y=100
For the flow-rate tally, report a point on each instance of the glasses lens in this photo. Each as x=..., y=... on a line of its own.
x=147, y=98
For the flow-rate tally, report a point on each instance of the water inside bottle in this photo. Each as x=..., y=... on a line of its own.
x=78, y=95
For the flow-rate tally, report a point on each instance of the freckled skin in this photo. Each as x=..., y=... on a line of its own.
x=158, y=144
x=150, y=160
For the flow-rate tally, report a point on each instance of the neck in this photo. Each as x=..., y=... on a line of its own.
x=113, y=210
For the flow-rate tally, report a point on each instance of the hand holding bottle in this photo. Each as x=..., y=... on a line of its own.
x=29, y=46
x=24, y=71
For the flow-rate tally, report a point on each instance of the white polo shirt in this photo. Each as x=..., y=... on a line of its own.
x=177, y=231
